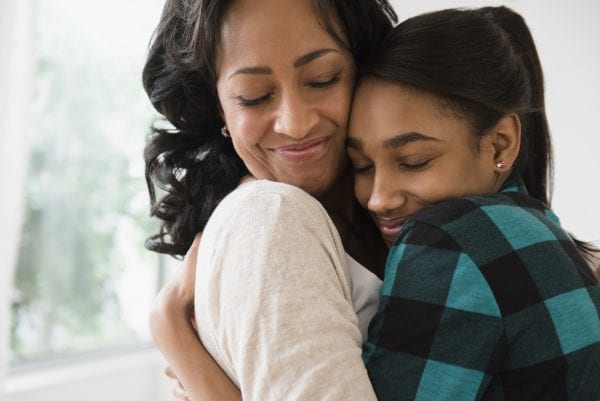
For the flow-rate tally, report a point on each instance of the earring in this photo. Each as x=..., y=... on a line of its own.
x=225, y=132
x=500, y=164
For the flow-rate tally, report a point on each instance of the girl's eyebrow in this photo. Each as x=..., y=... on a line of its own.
x=299, y=62
x=394, y=142
x=408, y=137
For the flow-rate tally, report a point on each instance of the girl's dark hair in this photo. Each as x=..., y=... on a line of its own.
x=191, y=163
x=483, y=64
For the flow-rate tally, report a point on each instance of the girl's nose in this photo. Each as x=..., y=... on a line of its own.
x=386, y=195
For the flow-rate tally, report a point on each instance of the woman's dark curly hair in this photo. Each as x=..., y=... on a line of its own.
x=192, y=164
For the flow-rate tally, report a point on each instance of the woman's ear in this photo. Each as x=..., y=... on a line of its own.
x=505, y=139
x=220, y=110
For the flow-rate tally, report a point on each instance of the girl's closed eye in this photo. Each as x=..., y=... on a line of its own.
x=361, y=165
x=415, y=166
x=364, y=169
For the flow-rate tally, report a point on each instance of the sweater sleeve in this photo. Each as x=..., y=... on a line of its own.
x=438, y=331
x=273, y=299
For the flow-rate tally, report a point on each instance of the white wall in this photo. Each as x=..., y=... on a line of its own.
x=567, y=34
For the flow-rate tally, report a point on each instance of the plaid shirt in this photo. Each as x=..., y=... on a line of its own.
x=486, y=298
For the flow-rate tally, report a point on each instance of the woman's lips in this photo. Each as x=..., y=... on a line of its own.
x=302, y=151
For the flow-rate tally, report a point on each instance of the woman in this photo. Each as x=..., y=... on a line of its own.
x=452, y=107
x=264, y=87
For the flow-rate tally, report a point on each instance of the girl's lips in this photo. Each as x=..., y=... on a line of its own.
x=389, y=227
x=303, y=151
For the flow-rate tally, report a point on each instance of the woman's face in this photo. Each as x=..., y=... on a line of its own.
x=284, y=85
x=409, y=152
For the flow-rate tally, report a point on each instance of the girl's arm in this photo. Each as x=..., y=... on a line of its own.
x=438, y=332
x=173, y=332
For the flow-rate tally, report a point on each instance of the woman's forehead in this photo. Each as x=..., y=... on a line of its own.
x=258, y=32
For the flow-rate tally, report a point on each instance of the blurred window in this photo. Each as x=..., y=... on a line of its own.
x=84, y=281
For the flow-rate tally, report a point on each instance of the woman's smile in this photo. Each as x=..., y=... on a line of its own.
x=303, y=151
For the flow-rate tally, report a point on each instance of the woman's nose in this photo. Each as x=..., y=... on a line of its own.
x=296, y=116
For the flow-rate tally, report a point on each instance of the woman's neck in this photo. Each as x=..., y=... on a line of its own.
x=359, y=235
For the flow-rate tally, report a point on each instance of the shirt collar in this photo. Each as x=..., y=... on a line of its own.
x=514, y=183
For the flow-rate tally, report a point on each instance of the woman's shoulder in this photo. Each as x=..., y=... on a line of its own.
x=267, y=191
x=267, y=203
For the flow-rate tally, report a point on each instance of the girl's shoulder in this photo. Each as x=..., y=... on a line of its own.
x=506, y=213
x=499, y=228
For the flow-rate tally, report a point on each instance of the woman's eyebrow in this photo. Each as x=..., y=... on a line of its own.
x=307, y=58
x=299, y=62
x=251, y=70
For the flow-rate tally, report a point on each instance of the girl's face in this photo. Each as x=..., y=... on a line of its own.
x=409, y=152
x=284, y=85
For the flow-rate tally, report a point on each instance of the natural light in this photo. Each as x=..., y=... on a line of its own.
x=76, y=283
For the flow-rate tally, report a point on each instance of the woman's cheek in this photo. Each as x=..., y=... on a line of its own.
x=247, y=126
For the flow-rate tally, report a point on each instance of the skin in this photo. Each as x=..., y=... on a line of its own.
x=191, y=366
x=408, y=152
x=284, y=86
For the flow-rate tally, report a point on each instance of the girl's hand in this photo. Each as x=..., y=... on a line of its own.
x=178, y=390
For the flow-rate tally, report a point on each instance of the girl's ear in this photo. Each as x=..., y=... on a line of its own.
x=505, y=140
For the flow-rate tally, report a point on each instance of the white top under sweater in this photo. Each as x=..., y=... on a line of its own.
x=274, y=297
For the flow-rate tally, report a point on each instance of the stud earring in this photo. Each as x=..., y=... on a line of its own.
x=225, y=132
x=500, y=164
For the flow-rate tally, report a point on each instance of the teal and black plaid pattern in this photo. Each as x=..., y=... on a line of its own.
x=486, y=298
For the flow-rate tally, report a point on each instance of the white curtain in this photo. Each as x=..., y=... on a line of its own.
x=16, y=51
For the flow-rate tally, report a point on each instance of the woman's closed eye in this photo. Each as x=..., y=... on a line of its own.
x=251, y=102
x=326, y=82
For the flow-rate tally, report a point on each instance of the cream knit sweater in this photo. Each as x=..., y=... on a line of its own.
x=273, y=298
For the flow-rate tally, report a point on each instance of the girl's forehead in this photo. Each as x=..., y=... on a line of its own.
x=382, y=110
